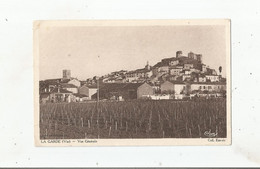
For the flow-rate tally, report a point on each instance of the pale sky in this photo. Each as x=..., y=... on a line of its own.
x=89, y=51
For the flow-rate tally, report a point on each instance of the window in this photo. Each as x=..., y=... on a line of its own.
x=204, y=87
x=209, y=87
x=200, y=87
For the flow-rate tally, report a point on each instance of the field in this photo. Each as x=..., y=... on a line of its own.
x=133, y=119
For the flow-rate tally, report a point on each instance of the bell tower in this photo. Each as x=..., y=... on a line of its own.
x=147, y=66
x=66, y=74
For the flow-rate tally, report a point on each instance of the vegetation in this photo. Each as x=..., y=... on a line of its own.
x=168, y=92
x=133, y=119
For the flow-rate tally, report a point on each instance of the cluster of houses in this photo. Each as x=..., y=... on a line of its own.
x=171, y=78
x=66, y=89
x=179, y=68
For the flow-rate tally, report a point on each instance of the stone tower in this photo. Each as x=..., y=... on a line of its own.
x=191, y=55
x=178, y=54
x=199, y=57
x=66, y=74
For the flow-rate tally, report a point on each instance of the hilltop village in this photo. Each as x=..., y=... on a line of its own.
x=179, y=77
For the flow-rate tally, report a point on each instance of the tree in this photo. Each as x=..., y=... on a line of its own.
x=170, y=92
x=220, y=69
x=164, y=92
x=157, y=91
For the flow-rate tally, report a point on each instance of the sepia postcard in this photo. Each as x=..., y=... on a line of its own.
x=132, y=82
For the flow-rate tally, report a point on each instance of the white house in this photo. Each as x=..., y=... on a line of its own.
x=179, y=88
